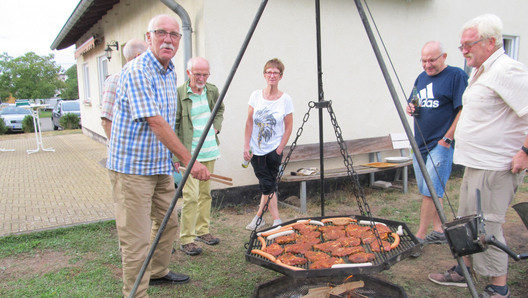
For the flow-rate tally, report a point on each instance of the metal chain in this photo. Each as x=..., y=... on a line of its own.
x=347, y=160
x=311, y=105
x=356, y=186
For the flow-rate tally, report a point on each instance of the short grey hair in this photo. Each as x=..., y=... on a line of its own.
x=437, y=43
x=192, y=61
x=134, y=47
x=487, y=25
x=154, y=21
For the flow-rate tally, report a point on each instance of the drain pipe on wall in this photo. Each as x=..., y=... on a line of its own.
x=186, y=30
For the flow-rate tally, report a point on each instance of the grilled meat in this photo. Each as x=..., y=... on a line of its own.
x=298, y=248
x=345, y=251
x=361, y=257
x=315, y=256
x=349, y=241
x=374, y=246
x=292, y=260
x=286, y=239
x=274, y=249
x=333, y=234
x=327, y=263
x=327, y=246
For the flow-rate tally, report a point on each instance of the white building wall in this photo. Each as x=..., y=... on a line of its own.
x=352, y=79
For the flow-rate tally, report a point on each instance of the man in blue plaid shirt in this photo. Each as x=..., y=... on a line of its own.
x=140, y=157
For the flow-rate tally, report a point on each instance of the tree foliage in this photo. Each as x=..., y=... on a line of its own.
x=71, y=91
x=30, y=76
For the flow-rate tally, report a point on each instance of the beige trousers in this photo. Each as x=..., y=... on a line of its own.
x=196, y=209
x=141, y=203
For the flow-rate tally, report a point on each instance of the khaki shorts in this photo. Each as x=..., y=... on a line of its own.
x=497, y=189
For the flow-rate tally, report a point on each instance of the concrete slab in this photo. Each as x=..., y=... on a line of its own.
x=47, y=190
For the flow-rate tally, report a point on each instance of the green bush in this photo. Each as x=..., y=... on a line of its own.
x=27, y=124
x=69, y=121
x=3, y=127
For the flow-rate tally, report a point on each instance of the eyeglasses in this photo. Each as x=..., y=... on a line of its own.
x=431, y=60
x=272, y=73
x=467, y=46
x=162, y=34
x=203, y=75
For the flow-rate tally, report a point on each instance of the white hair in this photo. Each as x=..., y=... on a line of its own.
x=487, y=25
x=134, y=47
x=154, y=21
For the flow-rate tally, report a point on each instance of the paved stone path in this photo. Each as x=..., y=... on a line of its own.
x=47, y=190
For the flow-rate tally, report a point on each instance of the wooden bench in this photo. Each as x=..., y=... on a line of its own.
x=371, y=146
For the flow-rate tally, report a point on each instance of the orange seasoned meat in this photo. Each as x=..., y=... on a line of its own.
x=327, y=246
x=311, y=234
x=374, y=246
x=327, y=228
x=361, y=257
x=341, y=221
x=368, y=237
x=308, y=239
x=333, y=234
x=292, y=260
x=345, y=251
x=303, y=228
x=274, y=249
x=353, y=230
x=383, y=229
x=349, y=241
x=314, y=256
x=286, y=239
x=322, y=264
x=298, y=248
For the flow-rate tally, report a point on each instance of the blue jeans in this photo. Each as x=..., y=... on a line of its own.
x=438, y=162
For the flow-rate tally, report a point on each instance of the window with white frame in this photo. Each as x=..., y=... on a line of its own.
x=511, y=46
x=86, y=80
x=102, y=62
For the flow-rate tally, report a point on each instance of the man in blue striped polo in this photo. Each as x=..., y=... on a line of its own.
x=139, y=164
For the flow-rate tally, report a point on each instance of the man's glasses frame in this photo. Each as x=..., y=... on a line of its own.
x=203, y=75
x=468, y=45
x=431, y=60
x=160, y=33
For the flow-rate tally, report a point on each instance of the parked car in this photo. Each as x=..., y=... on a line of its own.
x=51, y=102
x=62, y=108
x=13, y=117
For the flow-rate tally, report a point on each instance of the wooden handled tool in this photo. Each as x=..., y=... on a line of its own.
x=217, y=178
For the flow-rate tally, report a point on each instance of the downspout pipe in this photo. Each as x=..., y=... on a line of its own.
x=186, y=30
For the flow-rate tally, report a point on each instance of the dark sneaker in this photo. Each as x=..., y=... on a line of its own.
x=449, y=278
x=208, y=239
x=489, y=292
x=435, y=238
x=191, y=249
x=171, y=277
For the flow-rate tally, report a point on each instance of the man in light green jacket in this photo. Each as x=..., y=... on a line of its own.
x=196, y=100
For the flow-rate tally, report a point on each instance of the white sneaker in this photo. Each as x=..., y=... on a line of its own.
x=277, y=222
x=251, y=226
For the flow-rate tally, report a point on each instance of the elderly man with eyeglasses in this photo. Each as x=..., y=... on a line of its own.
x=439, y=89
x=196, y=100
x=491, y=143
x=140, y=166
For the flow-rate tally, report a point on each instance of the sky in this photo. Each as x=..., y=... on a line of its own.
x=33, y=25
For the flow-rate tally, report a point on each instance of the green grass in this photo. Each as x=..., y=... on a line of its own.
x=84, y=261
x=45, y=114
